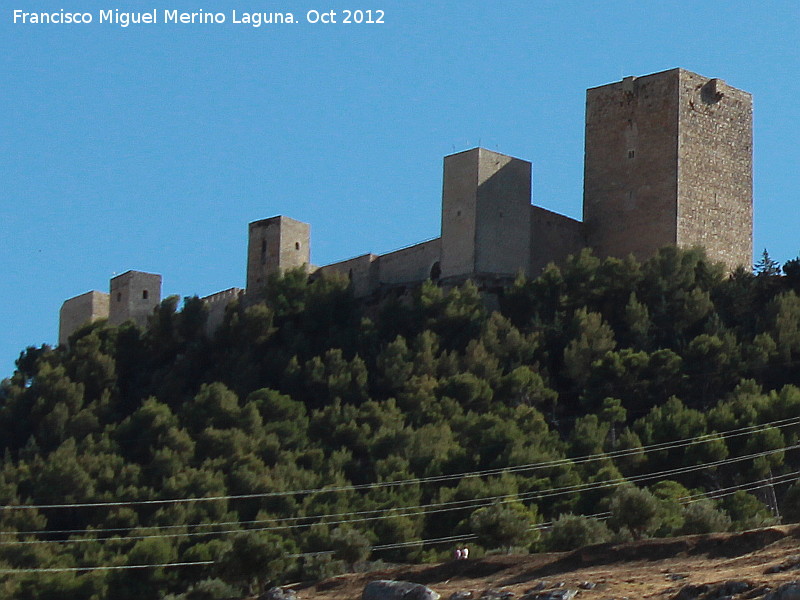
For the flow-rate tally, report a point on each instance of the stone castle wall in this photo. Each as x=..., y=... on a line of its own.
x=216, y=304
x=80, y=310
x=371, y=272
x=503, y=237
x=362, y=271
x=413, y=264
x=631, y=165
x=485, y=201
x=276, y=244
x=554, y=237
x=715, y=169
x=668, y=160
x=134, y=295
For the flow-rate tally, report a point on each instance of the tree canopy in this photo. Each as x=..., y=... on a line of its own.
x=312, y=432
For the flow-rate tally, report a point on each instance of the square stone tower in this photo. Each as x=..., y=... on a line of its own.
x=80, y=310
x=486, y=203
x=274, y=245
x=668, y=161
x=134, y=295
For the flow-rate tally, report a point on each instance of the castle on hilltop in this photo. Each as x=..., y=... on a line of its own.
x=668, y=161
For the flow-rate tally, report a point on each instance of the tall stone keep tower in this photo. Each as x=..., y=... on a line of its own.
x=668, y=161
x=486, y=204
x=274, y=245
x=133, y=297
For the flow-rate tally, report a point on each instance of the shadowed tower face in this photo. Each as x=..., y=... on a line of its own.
x=668, y=161
x=274, y=245
x=486, y=203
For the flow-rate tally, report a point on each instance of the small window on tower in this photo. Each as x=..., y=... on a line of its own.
x=119, y=296
x=297, y=245
x=630, y=153
x=144, y=294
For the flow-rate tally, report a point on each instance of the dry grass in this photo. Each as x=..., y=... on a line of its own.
x=644, y=569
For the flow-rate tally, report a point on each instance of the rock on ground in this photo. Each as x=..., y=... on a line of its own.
x=788, y=591
x=277, y=593
x=397, y=590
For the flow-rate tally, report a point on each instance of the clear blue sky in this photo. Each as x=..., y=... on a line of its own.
x=151, y=147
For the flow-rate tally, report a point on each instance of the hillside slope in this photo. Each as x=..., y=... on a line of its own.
x=656, y=568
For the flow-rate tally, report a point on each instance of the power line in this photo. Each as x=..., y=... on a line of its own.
x=727, y=491
x=425, y=509
x=377, y=548
x=104, y=568
x=704, y=438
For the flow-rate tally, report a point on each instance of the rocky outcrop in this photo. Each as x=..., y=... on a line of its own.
x=788, y=591
x=718, y=591
x=397, y=590
x=791, y=563
x=562, y=594
x=277, y=593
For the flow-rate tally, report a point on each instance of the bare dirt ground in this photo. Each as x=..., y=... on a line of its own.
x=645, y=569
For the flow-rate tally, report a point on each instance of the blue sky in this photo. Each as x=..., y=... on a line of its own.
x=151, y=147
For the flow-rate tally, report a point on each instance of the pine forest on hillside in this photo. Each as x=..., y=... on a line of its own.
x=607, y=400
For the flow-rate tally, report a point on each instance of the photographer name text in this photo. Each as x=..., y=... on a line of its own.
x=122, y=18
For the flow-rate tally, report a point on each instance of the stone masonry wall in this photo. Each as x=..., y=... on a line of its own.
x=80, y=310
x=409, y=265
x=715, y=169
x=361, y=271
x=274, y=245
x=134, y=295
x=631, y=165
x=369, y=272
x=485, y=201
x=554, y=237
x=216, y=303
x=459, y=213
x=668, y=160
x=502, y=237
